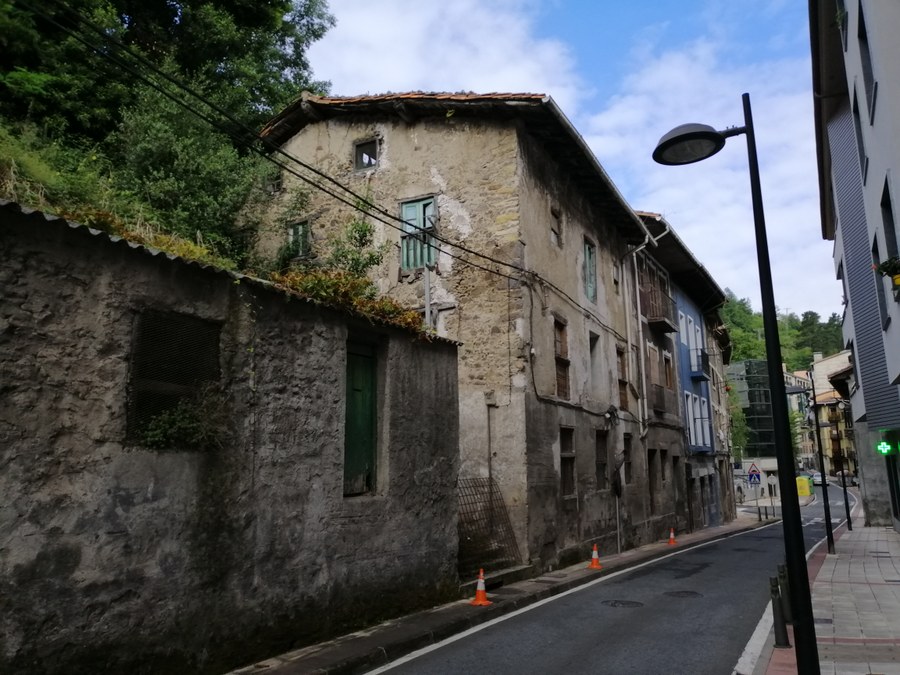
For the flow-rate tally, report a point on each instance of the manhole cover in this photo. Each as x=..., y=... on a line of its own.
x=622, y=603
x=683, y=594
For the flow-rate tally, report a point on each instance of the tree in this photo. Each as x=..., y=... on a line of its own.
x=253, y=54
x=739, y=431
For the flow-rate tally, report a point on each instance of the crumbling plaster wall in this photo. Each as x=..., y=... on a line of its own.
x=117, y=558
x=561, y=528
x=471, y=168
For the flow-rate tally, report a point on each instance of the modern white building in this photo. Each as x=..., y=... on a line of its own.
x=856, y=97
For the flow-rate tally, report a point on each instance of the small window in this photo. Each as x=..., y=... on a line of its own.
x=601, y=464
x=626, y=458
x=622, y=366
x=561, y=352
x=567, y=461
x=556, y=226
x=418, y=247
x=298, y=238
x=865, y=57
x=365, y=155
x=590, y=271
x=861, y=149
x=880, y=284
x=682, y=328
x=174, y=359
x=669, y=373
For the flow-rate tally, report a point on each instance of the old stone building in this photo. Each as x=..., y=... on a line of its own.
x=503, y=226
x=124, y=549
x=686, y=345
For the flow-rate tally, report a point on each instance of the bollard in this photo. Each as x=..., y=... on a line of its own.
x=785, y=590
x=781, y=635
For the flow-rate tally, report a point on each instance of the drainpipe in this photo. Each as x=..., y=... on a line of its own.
x=649, y=239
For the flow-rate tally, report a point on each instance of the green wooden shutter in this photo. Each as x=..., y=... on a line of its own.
x=409, y=246
x=359, y=427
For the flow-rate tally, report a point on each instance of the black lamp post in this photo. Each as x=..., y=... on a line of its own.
x=692, y=143
x=829, y=530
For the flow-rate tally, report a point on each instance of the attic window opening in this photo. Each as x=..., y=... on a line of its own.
x=365, y=155
x=556, y=226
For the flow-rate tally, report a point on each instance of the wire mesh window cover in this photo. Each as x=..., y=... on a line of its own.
x=486, y=537
x=590, y=271
x=172, y=356
x=418, y=246
x=365, y=154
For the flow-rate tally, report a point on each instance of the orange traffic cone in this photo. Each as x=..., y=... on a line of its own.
x=595, y=560
x=672, y=541
x=480, y=593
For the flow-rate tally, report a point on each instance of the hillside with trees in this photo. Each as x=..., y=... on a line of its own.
x=799, y=336
x=90, y=126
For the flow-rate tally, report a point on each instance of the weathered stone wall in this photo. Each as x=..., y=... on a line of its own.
x=471, y=169
x=562, y=528
x=116, y=558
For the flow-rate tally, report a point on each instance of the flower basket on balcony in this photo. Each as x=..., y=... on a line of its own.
x=889, y=268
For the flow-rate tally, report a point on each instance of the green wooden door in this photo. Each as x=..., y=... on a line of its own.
x=359, y=431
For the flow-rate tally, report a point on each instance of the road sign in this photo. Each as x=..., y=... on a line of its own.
x=772, y=479
x=753, y=475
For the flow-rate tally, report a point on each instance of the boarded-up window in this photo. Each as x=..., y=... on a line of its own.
x=360, y=422
x=561, y=351
x=173, y=356
x=567, y=461
x=626, y=458
x=602, y=453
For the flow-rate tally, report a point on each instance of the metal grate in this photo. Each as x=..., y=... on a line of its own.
x=172, y=355
x=486, y=538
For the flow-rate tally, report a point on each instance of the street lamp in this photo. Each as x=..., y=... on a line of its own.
x=692, y=143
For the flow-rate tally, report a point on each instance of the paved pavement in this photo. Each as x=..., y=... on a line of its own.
x=856, y=605
x=368, y=649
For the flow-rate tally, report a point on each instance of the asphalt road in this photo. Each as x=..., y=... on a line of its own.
x=691, y=612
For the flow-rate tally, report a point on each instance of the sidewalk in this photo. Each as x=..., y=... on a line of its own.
x=390, y=640
x=856, y=605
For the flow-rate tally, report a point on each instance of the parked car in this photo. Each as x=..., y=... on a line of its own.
x=817, y=478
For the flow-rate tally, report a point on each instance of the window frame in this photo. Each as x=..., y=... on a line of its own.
x=589, y=270
x=425, y=250
x=561, y=359
x=359, y=154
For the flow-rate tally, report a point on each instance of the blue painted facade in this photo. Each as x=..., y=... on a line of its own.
x=693, y=366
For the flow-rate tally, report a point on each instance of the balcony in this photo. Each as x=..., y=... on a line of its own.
x=659, y=308
x=700, y=364
x=834, y=416
x=662, y=399
x=848, y=434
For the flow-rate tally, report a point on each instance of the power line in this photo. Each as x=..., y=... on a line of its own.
x=364, y=205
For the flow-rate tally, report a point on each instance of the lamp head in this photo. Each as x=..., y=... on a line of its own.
x=687, y=144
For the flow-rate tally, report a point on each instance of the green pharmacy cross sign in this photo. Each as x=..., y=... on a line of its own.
x=884, y=448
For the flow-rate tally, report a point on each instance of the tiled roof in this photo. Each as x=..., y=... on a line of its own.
x=536, y=114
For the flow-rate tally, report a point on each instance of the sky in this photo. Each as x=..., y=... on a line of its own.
x=625, y=73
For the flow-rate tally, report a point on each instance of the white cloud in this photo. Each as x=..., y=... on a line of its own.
x=709, y=203
x=465, y=45
x=491, y=45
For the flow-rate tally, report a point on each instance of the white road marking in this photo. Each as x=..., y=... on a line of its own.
x=460, y=636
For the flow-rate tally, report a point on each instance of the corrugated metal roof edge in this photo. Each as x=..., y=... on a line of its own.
x=48, y=218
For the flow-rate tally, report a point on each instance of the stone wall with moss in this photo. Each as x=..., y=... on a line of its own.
x=116, y=557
